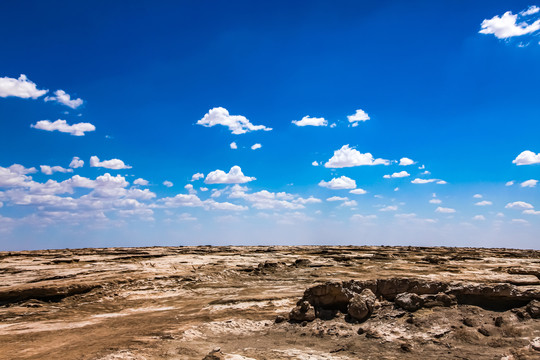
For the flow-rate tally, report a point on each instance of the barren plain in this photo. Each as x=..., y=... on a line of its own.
x=306, y=302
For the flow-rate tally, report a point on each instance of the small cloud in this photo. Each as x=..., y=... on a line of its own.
x=115, y=164
x=406, y=161
x=531, y=212
x=315, y=163
x=63, y=98
x=141, y=181
x=484, y=203
x=509, y=183
x=234, y=176
x=506, y=26
x=78, y=129
x=76, y=163
x=358, y=191
x=529, y=183
x=479, y=217
x=396, y=189
x=310, y=121
x=237, y=124
x=530, y=11
x=435, y=201
x=233, y=146
x=197, y=176
x=400, y=174
x=337, y=198
x=359, y=115
x=256, y=146
x=519, y=205
x=444, y=210
x=349, y=157
x=342, y=182
x=167, y=183
x=49, y=170
x=477, y=196
x=389, y=208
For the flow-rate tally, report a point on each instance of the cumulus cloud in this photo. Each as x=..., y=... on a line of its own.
x=233, y=146
x=389, y=208
x=49, y=170
x=483, y=203
x=310, y=121
x=506, y=26
x=342, y=182
x=397, y=175
x=314, y=163
x=63, y=98
x=256, y=146
x=529, y=183
x=190, y=189
x=527, y=158
x=531, y=212
x=406, y=161
x=141, y=181
x=337, y=198
x=519, y=205
x=266, y=200
x=21, y=87
x=349, y=157
x=362, y=218
x=509, y=183
x=238, y=124
x=530, y=11
x=167, y=183
x=21, y=170
x=444, y=210
x=359, y=115
x=78, y=129
x=76, y=163
x=197, y=176
x=479, y=217
x=427, y=181
x=358, y=191
x=114, y=164
x=234, y=176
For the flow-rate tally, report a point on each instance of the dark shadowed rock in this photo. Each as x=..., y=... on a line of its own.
x=533, y=308
x=303, y=312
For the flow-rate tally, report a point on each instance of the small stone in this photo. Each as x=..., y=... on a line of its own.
x=409, y=301
x=303, y=312
x=484, y=331
x=406, y=347
x=279, y=319
x=361, y=330
x=468, y=322
x=535, y=343
x=499, y=321
x=372, y=334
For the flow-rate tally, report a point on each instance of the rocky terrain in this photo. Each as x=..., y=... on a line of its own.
x=316, y=302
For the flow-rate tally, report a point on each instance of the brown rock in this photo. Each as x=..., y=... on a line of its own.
x=361, y=305
x=409, y=301
x=303, y=312
x=533, y=308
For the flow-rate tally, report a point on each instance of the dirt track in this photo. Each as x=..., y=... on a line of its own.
x=182, y=302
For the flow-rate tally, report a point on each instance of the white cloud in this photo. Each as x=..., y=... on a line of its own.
x=405, y=161
x=167, y=183
x=397, y=175
x=342, y=182
x=349, y=203
x=76, y=163
x=477, y=196
x=238, y=124
x=349, y=157
x=21, y=170
x=520, y=221
x=234, y=176
x=509, y=183
x=389, y=208
x=426, y=173
x=359, y=115
x=527, y=158
x=396, y=189
x=115, y=164
x=63, y=98
x=203, y=189
x=186, y=217
x=529, y=183
x=506, y=26
x=141, y=181
x=441, y=182
x=309, y=121
x=78, y=129
x=519, y=205
x=363, y=218
x=197, y=176
x=435, y=201
x=483, y=203
x=190, y=189
x=479, y=217
x=358, y=191
x=49, y=170
x=531, y=212
x=337, y=198
x=233, y=145
x=256, y=146
x=530, y=11
x=315, y=163
x=444, y=210
x=265, y=200
x=21, y=87
x=423, y=181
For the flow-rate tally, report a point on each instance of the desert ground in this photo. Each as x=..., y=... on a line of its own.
x=307, y=302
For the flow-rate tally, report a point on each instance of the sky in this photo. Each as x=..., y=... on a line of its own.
x=269, y=123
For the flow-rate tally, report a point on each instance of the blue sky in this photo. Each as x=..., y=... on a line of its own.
x=108, y=110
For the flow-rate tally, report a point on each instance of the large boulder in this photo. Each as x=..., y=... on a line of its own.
x=361, y=305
